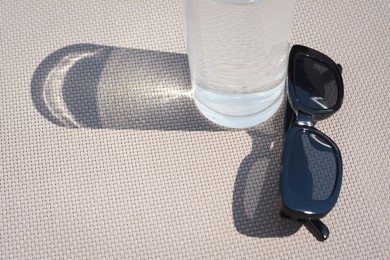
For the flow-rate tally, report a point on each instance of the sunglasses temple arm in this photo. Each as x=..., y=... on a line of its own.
x=289, y=117
x=340, y=68
x=321, y=231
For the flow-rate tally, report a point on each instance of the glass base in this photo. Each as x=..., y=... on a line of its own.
x=239, y=111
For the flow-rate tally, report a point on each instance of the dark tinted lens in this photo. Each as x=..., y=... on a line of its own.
x=315, y=84
x=312, y=167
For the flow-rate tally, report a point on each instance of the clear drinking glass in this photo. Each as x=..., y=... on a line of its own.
x=238, y=53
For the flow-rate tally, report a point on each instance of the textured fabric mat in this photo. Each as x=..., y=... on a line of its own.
x=79, y=178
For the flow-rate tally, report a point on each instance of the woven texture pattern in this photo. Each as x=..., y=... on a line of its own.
x=103, y=154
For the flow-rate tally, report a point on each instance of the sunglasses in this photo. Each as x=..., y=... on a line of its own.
x=311, y=172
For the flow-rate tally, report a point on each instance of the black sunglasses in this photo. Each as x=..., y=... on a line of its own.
x=311, y=173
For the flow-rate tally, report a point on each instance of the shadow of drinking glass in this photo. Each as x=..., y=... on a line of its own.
x=92, y=86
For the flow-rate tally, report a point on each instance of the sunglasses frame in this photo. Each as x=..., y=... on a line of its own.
x=299, y=117
x=317, y=114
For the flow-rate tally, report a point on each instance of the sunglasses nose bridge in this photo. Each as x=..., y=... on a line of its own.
x=305, y=120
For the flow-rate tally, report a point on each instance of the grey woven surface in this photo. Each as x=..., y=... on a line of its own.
x=80, y=179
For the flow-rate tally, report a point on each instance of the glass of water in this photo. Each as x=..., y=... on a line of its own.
x=238, y=52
